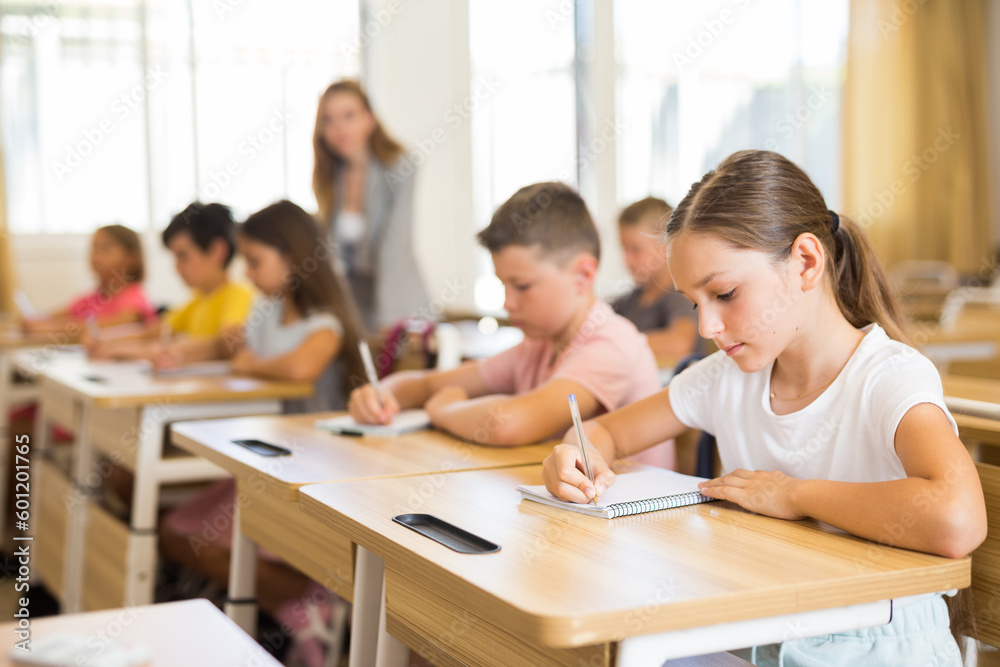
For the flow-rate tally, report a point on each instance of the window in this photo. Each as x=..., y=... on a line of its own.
x=698, y=81
x=525, y=130
x=694, y=82
x=126, y=111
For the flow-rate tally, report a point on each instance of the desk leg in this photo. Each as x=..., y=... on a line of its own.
x=391, y=651
x=370, y=643
x=369, y=577
x=77, y=512
x=140, y=579
x=241, y=603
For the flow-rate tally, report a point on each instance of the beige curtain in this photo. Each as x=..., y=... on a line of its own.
x=916, y=131
x=6, y=256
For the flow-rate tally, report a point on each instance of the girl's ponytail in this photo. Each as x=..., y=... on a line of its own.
x=861, y=285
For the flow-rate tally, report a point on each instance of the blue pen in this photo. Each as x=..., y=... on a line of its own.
x=574, y=410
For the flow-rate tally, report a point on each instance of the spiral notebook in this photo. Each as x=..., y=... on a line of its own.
x=632, y=493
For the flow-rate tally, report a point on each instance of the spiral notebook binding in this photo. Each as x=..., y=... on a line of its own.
x=655, y=504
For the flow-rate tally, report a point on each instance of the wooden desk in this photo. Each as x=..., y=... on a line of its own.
x=193, y=633
x=267, y=508
x=972, y=396
x=12, y=393
x=570, y=589
x=120, y=410
x=975, y=404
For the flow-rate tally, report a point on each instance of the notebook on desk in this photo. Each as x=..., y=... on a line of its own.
x=406, y=421
x=632, y=493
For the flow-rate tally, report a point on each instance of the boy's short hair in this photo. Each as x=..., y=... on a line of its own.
x=552, y=215
x=204, y=223
x=650, y=208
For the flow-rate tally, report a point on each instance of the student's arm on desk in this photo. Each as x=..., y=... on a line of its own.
x=937, y=508
x=615, y=435
x=305, y=363
x=509, y=420
x=678, y=340
x=412, y=389
x=191, y=350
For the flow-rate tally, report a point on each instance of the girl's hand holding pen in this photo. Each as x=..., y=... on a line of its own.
x=565, y=477
x=365, y=407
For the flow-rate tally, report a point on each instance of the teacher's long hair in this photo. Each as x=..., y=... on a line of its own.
x=327, y=163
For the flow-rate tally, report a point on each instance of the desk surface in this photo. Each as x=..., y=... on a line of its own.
x=971, y=327
x=193, y=633
x=564, y=579
x=320, y=456
x=119, y=384
x=971, y=388
x=12, y=338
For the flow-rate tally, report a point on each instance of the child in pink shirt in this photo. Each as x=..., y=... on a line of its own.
x=116, y=259
x=545, y=250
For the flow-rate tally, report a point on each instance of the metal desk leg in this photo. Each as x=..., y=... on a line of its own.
x=369, y=576
x=241, y=603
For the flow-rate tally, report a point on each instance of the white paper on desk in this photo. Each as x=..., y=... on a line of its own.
x=632, y=493
x=406, y=421
x=70, y=648
x=201, y=369
x=24, y=305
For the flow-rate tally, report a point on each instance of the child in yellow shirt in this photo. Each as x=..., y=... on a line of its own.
x=201, y=241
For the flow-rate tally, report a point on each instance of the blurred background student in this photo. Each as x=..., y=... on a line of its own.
x=654, y=306
x=119, y=298
x=363, y=184
x=201, y=240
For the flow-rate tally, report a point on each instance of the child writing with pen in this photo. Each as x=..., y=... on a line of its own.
x=303, y=328
x=545, y=250
x=819, y=406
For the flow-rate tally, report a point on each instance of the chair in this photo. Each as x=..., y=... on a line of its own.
x=986, y=564
x=923, y=286
x=913, y=275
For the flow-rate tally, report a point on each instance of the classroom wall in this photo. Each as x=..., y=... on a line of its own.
x=417, y=69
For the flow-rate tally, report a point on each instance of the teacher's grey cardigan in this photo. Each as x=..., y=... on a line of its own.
x=385, y=278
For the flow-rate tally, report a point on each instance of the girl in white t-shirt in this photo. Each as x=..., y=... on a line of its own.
x=819, y=406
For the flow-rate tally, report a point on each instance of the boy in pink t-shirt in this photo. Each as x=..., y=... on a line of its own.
x=545, y=250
